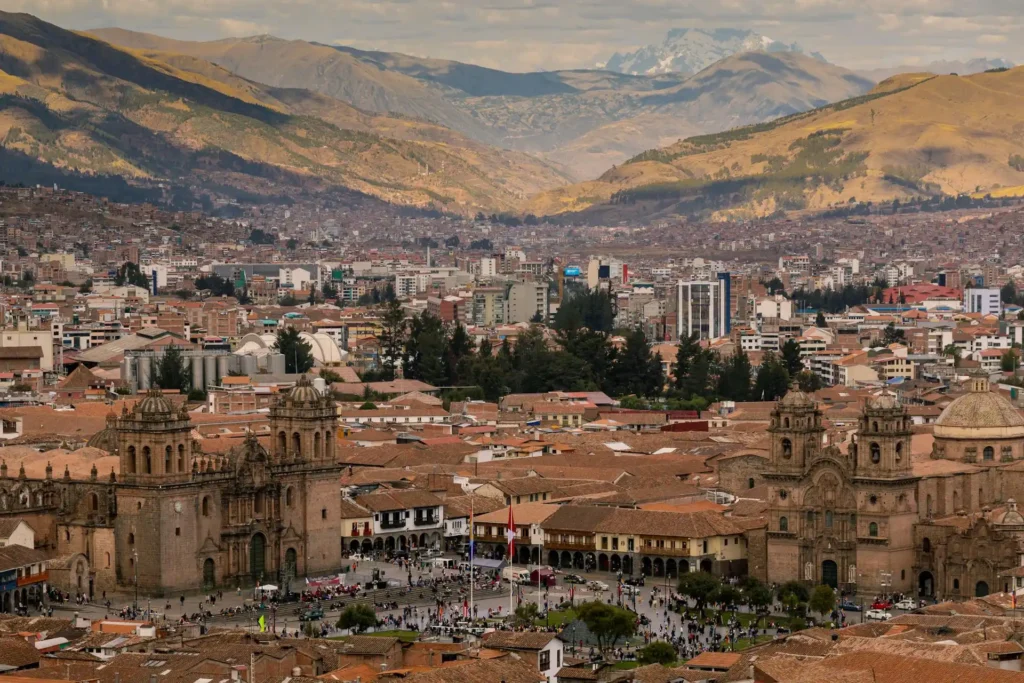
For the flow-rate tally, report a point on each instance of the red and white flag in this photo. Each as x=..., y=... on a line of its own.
x=510, y=534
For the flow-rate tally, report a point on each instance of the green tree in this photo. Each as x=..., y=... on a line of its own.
x=700, y=587
x=170, y=370
x=392, y=338
x=288, y=300
x=607, y=623
x=686, y=353
x=734, y=379
x=658, y=652
x=794, y=596
x=358, y=618
x=791, y=357
x=329, y=291
x=526, y=614
x=823, y=600
x=726, y=595
x=1010, y=360
x=258, y=236
x=291, y=244
x=759, y=597
x=312, y=293
x=298, y=353
x=893, y=335
x=819, y=319
x=952, y=351
x=1008, y=292
x=772, y=381
x=809, y=382
x=425, y=350
x=636, y=370
x=130, y=274
x=86, y=287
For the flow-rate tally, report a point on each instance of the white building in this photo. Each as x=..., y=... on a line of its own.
x=703, y=308
x=774, y=307
x=525, y=300
x=295, y=278
x=982, y=300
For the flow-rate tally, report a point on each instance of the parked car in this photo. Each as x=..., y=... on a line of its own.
x=906, y=604
x=629, y=589
x=573, y=578
x=850, y=606
x=312, y=614
x=597, y=585
x=634, y=581
x=882, y=604
x=877, y=615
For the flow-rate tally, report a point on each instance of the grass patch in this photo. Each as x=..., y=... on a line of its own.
x=623, y=666
x=557, y=617
x=404, y=636
x=745, y=643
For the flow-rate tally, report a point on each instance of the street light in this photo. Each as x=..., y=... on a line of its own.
x=135, y=564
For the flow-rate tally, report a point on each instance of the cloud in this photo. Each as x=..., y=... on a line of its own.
x=546, y=34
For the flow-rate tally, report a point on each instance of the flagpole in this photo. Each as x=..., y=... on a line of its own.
x=511, y=549
x=472, y=536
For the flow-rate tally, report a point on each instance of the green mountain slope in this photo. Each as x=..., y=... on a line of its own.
x=73, y=103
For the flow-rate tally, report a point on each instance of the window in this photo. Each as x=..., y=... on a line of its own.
x=873, y=499
x=783, y=494
x=873, y=529
x=615, y=542
x=876, y=453
x=177, y=531
x=323, y=513
x=168, y=463
x=956, y=584
x=206, y=506
x=783, y=524
x=545, y=660
x=989, y=453
x=785, y=423
x=288, y=496
x=828, y=519
x=810, y=518
x=147, y=461
x=94, y=502
x=131, y=539
x=787, y=448
x=257, y=505
x=750, y=483
x=131, y=460
x=108, y=560
x=899, y=451
x=181, y=457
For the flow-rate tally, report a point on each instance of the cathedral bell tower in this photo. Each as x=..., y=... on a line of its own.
x=797, y=432
x=304, y=423
x=154, y=441
x=882, y=446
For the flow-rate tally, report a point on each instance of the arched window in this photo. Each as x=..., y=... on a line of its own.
x=289, y=495
x=926, y=545
x=296, y=444
x=956, y=584
x=282, y=443
x=989, y=453
x=131, y=539
x=329, y=445
x=750, y=483
x=810, y=518
x=876, y=453
x=168, y=457
x=181, y=457
x=899, y=451
x=928, y=504
x=828, y=519
x=131, y=463
x=316, y=446
x=257, y=505
x=147, y=461
x=94, y=502
x=956, y=501
x=108, y=560
x=783, y=524
x=873, y=529
x=874, y=426
x=787, y=448
x=206, y=506
x=785, y=422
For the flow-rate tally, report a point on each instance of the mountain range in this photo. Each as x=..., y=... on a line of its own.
x=583, y=121
x=913, y=136
x=961, y=67
x=689, y=50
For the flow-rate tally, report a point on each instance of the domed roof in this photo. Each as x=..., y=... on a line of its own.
x=883, y=402
x=1011, y=517
x=982, y=412
x=155, y=403
x=796, y=399
x=304, y=391
x=105, y=439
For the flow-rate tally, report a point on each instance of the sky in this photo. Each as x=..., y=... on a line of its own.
x=525, y=35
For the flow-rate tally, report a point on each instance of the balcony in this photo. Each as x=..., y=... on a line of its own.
x=664, y=552
x=393, y=524
x=551, y=544
x=427, y=521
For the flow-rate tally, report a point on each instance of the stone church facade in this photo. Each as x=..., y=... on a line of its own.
x=873, y=521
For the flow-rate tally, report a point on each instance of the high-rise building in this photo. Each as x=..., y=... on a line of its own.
x=982, y=300
x=525, y=300
x=703, y=308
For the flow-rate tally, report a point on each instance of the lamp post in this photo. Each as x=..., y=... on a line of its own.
x=135, y=556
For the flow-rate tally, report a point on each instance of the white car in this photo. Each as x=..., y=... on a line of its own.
x=877, y=615
x=597, y=585
x=906, y=604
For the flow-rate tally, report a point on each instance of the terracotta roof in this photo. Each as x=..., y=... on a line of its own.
x=518, y=640
x=398, y=500
x=523, y=513
x=713, y=660
x=366, y=645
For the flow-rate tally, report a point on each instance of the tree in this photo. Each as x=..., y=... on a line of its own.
x=452, y=242
x=526, y=614
x=291, y=244
x=425, y=350
x=288, y=300
x=893, y=335
x=636, y=370
x=458, y=356
x=726, y=595
x=775, y=286
x=819, y=320
x=329, y=291
x=258, y=236
x=298, y=353
x=809, y=382
x=171, y=372
x=791, y=357
x=607, y=623
x=734, y=380
x=758, y=596
x=358, y=618
x=86, y=287
x=312, y=293
x=823, y=600
x=700, y=587
x=794, y=596
x=1010, y=360
x=391, y=338
x=130, y=274
x=1008, y=292
x=772, y=379
x=686, y=353
x=215, y=284
x=658, y=652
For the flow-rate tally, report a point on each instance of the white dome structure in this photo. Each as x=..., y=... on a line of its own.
x=325, y=350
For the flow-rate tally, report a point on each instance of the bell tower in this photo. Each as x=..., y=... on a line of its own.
x=796, y=430
x=304, y=423
x=882, y=446
x=154, y=440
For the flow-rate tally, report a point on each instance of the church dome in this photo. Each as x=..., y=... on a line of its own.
x=304, y=391
x=978, y=414
x=154, y=404
x=883, y=402
x=796, y=399
x=105, y=439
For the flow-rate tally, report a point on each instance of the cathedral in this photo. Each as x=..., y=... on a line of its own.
x=255, y=514
x=874, y=519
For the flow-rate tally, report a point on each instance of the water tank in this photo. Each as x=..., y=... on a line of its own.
x=222, y=366
x=144, y=369
x=277, y=365
x=249, y=365
x=320, y=384
x=210, y=369
x=197, y=373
